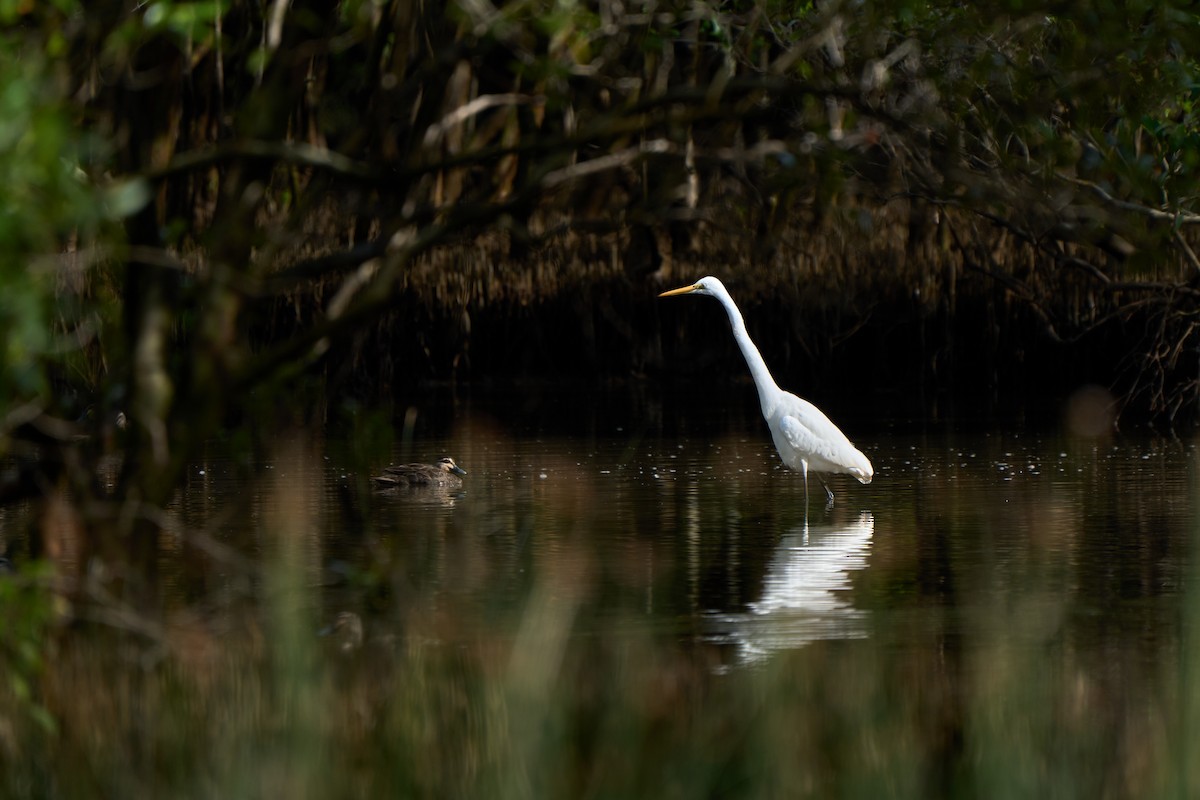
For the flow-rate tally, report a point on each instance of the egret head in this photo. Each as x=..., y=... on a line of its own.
x=861, y=468
x=707, y=285
x=447, y=464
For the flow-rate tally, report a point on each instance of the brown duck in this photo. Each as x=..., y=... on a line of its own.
x=444, y=473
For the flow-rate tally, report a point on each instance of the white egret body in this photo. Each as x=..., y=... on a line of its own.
x=805, y=438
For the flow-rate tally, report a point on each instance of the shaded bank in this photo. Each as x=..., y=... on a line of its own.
x=888, y=310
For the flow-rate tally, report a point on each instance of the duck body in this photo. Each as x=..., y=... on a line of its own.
x=444, y=473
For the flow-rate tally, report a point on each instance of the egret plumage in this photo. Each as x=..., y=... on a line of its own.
x=805, y=438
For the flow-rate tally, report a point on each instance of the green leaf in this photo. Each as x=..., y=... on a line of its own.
x=126, y=198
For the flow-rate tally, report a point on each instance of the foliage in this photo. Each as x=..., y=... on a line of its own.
x=206, y=203
x=47, y=202
x=207, y=166
x=28, y=608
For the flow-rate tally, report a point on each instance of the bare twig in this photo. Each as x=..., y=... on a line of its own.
x=604, y=163
x=286, y=152
x=1175, y=217
x=477, y=106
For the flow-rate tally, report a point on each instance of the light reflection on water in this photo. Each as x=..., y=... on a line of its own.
x=1000, y=610
x=707, y=539
x=806, y=592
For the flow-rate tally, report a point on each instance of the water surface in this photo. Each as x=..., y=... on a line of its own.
x=708, y=539
x=652, y=608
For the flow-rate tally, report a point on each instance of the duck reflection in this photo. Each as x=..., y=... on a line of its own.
x=444, y=496
x=805, y=594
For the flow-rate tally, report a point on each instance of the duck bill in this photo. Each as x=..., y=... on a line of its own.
x=681, y=290
x=457, y=470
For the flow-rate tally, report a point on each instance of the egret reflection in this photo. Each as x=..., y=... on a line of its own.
x=805, y=594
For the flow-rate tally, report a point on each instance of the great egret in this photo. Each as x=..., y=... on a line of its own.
x=444, y=473
x=805, y=438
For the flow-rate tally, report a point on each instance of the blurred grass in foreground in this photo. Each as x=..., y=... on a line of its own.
x=998, y=698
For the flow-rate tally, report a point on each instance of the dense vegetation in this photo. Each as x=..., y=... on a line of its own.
x=212, y=208
x=205, y=198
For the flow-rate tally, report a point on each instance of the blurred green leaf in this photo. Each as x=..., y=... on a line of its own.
x=126, y=198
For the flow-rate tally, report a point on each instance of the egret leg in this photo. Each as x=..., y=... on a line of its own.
x=804, y=472
x=828, y=494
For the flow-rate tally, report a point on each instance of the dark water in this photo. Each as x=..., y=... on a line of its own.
x=1002, y=613
x=707, y=538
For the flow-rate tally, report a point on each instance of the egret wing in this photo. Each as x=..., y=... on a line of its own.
x=813, y=445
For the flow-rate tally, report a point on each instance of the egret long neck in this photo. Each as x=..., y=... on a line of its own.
x=768, y=390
